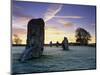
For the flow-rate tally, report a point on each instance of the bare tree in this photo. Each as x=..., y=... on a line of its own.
x=82, y=36
x=17, y=40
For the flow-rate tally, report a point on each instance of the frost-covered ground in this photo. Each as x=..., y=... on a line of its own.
x=55, y=59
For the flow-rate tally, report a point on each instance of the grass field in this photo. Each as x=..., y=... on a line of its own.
x=55, y=59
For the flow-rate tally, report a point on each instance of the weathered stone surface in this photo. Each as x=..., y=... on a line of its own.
x=65, y=45
x=35, y=39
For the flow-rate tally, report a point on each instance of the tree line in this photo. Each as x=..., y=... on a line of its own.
x=82, y=37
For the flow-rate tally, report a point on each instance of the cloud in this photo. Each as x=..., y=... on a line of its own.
x=19, y=19
x=18, y=11
x=50, y=27
x=69, y=17
x=18, y=31
x=54, y=34
x=53, y=31
x=52, y=11
x=20, y=22
x=93, y=24
x=65, y=23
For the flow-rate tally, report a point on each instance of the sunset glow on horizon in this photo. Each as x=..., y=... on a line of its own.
x=61, y=20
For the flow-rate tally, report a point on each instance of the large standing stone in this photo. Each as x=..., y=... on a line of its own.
x=35, y=39
x=65, y=45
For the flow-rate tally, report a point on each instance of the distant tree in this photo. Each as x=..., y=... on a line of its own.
x=82, y=36
x=17, y=40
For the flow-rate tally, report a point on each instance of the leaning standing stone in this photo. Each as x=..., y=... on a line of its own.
x=35, y=39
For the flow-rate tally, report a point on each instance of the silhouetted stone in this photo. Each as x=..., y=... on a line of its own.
x=57, y=44
x=35, y=39
x=65, y=45
x=50, y=43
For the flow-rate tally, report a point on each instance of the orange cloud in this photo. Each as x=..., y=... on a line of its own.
x=65, y=23
x=18, y=31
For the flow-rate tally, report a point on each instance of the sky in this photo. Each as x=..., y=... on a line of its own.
x=61, y=20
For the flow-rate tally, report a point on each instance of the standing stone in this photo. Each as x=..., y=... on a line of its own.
x=50, y=43
x=57, y=44
x=65, y=44
x=35, y=39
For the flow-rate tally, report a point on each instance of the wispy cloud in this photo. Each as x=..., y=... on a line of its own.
x=53, y=30
x=18, y=31
x=19, y=19
x=50, y=27
x=69, y=17
x=20, y=22
x=52, y=11
x=18, y=11
x=65, y=23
